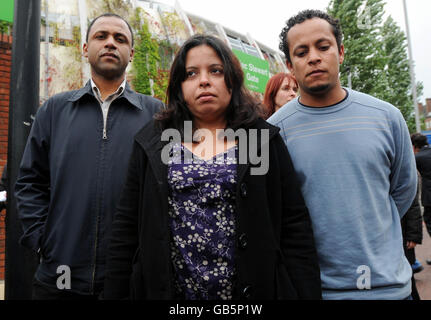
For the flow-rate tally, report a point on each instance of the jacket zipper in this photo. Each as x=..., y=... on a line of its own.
x=104, y=137
x=105, y=122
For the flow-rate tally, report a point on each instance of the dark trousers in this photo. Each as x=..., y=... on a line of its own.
x=44, y=292
x=427, y=218
x=411, y=257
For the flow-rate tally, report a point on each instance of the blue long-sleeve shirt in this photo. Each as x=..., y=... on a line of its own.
x=358, y=176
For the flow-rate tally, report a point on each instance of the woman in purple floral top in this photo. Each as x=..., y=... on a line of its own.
x=211, y=209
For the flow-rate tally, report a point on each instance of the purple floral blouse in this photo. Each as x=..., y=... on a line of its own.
x=202, y=222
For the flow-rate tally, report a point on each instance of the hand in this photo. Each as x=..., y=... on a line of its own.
x=411, y=244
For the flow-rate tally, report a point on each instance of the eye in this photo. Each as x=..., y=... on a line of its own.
x=217, y=71
x=301, y=53
x=190, y=74
x=100, y=36
x=121, y=39
x=324, y=48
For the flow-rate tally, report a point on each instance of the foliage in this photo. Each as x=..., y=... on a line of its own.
x=375, y=53
x=174, y=26
x=5, y=27
x=120, y=7
x=146, y=77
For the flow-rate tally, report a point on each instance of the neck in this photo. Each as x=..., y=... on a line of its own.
x=329, y=98
x=212, y=126
x=106, y=87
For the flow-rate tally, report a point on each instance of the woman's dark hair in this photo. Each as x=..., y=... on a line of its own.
x=272, y=87
x=243, y=109
x=306, y=15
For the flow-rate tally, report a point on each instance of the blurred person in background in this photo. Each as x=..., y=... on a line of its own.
x=280, y=89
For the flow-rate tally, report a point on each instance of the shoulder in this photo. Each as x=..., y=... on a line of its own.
x=148, y=99
x=57, y=101
x=374, y=104
x=284, y=113
x=150, y=134
x=147, y=102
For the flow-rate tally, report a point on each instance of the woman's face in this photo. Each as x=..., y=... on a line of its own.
x=204, y=88
x=286, y=93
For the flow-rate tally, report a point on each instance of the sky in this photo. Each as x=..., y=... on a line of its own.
x=265, y=19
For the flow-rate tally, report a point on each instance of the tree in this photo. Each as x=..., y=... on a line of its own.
x=5, y=27
x=375, y=53
x=146, y=77
x=398, y=71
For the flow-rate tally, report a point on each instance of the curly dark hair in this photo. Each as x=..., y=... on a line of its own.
x=243, y=110
x=419, y=140
x=300, y=18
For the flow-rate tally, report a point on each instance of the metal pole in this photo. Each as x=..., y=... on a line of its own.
x=21, y=263
x=46, y=88
x=412, y=71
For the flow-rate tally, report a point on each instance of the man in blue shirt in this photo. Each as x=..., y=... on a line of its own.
x=354, y=159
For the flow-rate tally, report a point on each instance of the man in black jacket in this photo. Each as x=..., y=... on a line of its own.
x=411, y=225
x=423, y=163
x=74, y=166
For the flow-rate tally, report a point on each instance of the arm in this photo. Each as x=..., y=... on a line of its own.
x=297, y=240
x=33, y=182
x=124, y=238
x=403, y=177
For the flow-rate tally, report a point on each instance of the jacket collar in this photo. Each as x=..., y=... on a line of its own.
x=128, y=94
x=149, y=138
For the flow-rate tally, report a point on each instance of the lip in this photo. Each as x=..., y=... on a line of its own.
x=110, y=55
x=206, y=96
x=316, y=73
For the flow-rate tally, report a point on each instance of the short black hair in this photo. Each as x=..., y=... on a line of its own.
x=419, y=140
x=306, y=15
x=109, y=15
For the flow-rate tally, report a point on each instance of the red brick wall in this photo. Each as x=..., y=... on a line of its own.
x=5, y=67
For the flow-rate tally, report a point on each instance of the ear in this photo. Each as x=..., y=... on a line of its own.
x=341, y=53
x=85, y=50
x=290, y=67
x=132, y=53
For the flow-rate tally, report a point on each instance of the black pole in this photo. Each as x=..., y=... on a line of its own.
x=21, y=263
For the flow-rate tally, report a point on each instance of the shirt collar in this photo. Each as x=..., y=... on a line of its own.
x=128, y=94
x=117, y=93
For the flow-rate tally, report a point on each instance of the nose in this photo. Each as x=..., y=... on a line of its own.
x=204, y=79
x=292, y=93
x=110, y=42
x=314, y=56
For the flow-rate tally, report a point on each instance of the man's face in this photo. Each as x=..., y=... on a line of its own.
x=109, y=47
x=315, y=56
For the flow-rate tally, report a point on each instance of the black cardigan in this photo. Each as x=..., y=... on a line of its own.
x=275, y=256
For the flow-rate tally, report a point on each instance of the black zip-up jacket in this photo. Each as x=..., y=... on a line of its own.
x=71, y=177
x=275, y=256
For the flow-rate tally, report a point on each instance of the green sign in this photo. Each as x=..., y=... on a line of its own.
x=256, y=71
x=6, y=10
